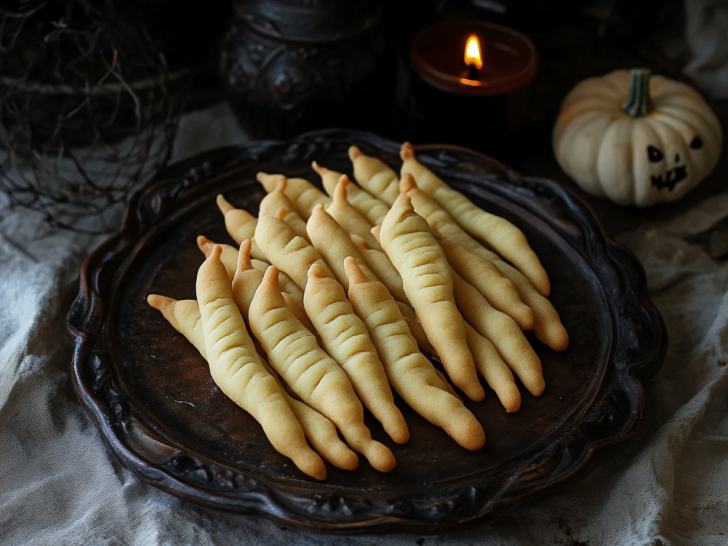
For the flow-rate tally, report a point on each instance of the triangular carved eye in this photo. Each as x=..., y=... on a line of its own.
x=696, y=143
x=653, y=154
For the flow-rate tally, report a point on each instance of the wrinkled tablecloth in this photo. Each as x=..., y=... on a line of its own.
x=60, y=486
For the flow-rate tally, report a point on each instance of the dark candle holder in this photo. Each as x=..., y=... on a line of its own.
x=483, y=109
x=293, y=66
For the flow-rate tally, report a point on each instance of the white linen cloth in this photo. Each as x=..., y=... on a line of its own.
x=706, y=37
x=60, y=486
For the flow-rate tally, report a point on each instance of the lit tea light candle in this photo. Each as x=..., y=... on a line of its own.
x=474, y=71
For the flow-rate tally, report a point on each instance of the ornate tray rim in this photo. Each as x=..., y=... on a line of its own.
x=613, y=415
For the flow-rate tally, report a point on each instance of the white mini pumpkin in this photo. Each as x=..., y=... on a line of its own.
x=636, y=139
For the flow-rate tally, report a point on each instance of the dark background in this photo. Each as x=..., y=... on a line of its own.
x=574, y=40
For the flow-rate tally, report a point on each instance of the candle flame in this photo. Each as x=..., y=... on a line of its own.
x=473, y=56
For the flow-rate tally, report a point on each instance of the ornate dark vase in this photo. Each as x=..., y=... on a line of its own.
x=291, y=66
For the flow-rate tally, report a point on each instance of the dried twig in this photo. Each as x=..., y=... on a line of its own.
x=88, y=110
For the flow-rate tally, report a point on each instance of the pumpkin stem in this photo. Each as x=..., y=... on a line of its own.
x=638, y=101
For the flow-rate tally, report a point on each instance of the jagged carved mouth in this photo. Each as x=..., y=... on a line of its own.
x=670, y=178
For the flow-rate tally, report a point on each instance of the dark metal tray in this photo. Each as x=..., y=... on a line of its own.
x=162, y=416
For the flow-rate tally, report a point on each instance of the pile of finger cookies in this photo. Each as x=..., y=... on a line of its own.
x=334, y=299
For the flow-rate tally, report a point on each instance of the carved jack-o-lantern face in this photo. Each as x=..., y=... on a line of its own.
x=636, y=140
